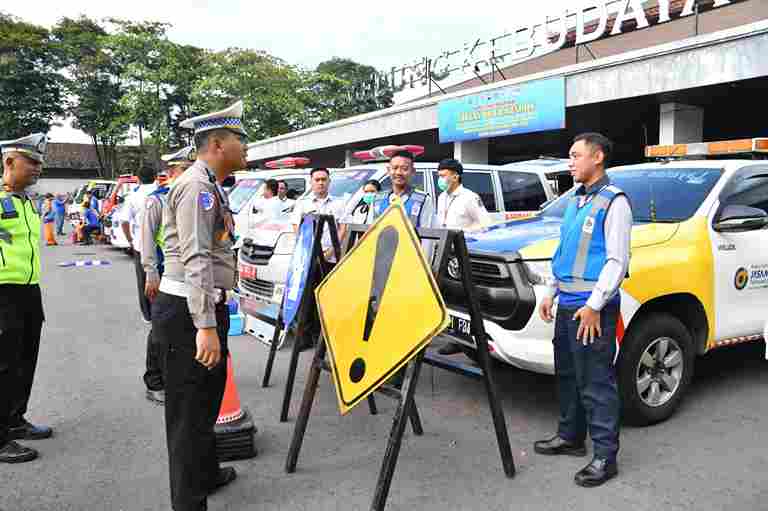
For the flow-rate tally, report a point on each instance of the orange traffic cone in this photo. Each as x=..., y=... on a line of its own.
x=230, y=410
x=234, y=428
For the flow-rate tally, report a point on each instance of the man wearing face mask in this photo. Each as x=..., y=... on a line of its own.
x=457, y=208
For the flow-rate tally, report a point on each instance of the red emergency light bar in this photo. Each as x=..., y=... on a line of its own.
x=385, y=152
x=291, y=162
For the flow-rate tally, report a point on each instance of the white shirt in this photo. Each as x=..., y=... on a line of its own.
x=269, y=208
x=325, y=206
x=462, y=209
x=133, y=211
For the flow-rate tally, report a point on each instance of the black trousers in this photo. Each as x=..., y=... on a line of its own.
x=153, y=374
x=21, y=320
x=193, y=397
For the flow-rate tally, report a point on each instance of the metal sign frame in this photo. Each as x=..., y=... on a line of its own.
x=450, y=243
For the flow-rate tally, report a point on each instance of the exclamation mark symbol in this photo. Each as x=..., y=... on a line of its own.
x=386, y=246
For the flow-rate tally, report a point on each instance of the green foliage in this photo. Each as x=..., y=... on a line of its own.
x=31, y=94
x=117, y=77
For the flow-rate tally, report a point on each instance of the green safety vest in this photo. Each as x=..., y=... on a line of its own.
x=19, y=240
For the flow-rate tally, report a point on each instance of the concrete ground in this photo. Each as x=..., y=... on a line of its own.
x=109, y=451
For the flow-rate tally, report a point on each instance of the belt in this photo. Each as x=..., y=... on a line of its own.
x=182, y=289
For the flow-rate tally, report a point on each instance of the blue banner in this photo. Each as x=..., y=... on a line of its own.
x=524, y=108
x=298, y=271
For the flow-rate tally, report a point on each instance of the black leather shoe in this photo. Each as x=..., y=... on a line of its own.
x=156, y=396
x=556, y=446
x=596, y=473
x=13, y=452
x=226, y=476
x=27, y=431
x=449, y=349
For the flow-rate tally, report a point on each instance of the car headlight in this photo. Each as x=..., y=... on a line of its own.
x=285, y=243
x=539, y=272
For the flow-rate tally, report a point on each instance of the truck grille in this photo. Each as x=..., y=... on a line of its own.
x=502, y=291
x=260, y=288
x=255, y=254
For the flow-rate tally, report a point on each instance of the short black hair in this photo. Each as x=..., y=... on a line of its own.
x=319, y=169
x=271, y=185
x=451, y=164
x=147, y=175
x=375, y=184
x=203, y=139
x=284, y=182
x=597, y=141
x=403, y=154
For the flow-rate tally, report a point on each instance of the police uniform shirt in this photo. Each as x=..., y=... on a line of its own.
x=199, y=260
x=134, y=209
x=461, y=209
x=618, y=231
x=322, y=206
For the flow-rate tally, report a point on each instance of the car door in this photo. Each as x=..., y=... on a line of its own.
x=741, y=259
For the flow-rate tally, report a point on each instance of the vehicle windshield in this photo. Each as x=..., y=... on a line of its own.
x=656, y=194
x=345, y=183
x=242, y=192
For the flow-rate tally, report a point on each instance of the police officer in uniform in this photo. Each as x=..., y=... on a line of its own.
x=589, y=266
x=189, y=314
x=151, y=254
x=457, y=208
x=21, y=305
x=417, y=204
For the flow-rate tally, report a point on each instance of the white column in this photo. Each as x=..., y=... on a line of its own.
x=473, y=151
x=348, y=160
x=681, y=124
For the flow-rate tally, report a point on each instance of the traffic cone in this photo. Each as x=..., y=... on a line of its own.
x=234, y=428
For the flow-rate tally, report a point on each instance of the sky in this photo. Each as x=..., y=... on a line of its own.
x=306, y=33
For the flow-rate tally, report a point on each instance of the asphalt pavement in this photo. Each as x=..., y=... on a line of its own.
x=109, y=453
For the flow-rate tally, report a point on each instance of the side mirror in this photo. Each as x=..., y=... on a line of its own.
x=740, y=219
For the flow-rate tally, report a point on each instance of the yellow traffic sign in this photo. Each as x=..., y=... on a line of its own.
x=379, y=307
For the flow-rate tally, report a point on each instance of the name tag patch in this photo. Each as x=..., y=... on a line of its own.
x=589, y=225
x=206, y=201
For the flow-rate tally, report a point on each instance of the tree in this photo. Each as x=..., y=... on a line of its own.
x=266, y=84
x=31, y=94
x=95, y=86
x=343, y=88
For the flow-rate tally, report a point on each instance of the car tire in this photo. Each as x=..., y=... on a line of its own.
x=655, y=367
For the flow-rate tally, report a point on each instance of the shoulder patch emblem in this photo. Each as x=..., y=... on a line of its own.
x=206, y=201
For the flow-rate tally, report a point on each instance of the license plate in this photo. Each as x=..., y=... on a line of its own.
x=462, y=328
x=250, y=306
x=247, y=271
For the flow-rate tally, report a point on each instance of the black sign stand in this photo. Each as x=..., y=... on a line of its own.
x=449, y=244
x=273, y=347
x=307, y=313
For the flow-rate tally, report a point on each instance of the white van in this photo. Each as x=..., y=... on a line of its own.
x=265, y=255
